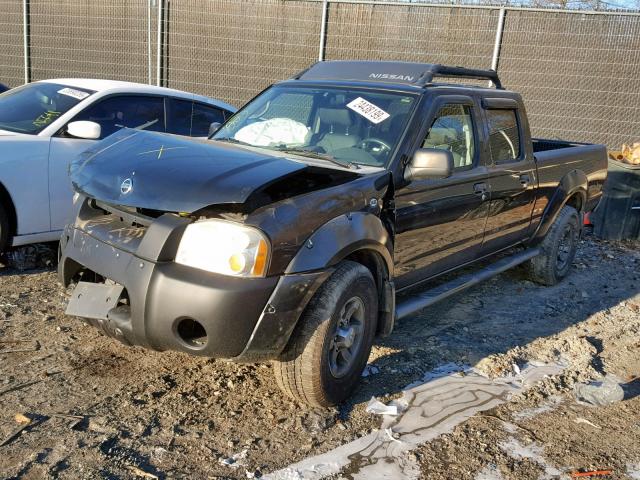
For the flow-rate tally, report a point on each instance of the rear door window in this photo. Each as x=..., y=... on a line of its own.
x=504, y=136
x=179, y=114
x=132, y=111
x=203, y=117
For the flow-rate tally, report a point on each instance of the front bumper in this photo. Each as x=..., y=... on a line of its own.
x=245, y=319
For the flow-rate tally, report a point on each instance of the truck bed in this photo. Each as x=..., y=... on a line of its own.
x=556, y=158
x=545, y=144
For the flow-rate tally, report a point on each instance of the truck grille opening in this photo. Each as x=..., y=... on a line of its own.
x=122, y=227
x=132, y=216
x=192, y=333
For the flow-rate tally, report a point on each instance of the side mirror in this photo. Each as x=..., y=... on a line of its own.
x=429, y=163
x=84, y=129
x=213, y=128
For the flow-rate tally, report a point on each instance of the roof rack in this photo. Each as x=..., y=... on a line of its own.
x=437, y=70
x=418, y=74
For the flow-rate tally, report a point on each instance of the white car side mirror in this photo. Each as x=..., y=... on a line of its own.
x=84, y=129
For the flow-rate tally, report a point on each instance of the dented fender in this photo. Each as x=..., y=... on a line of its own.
x=322, y=217
x=307, y=271
x=339, y=238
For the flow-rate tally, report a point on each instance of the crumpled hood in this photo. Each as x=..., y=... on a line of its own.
x=170, y=173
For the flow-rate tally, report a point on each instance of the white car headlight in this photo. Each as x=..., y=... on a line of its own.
x=224, y=247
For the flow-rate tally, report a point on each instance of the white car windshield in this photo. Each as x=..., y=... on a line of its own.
x=33, y=107
x=345, y=125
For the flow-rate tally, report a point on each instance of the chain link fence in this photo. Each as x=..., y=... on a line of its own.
x=88, y=39
x=449, y=35
x=579, y=72
x=11, y=43
x=233, y=49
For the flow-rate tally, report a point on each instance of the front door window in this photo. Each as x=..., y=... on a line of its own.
x=452, y=130
x=132, y=111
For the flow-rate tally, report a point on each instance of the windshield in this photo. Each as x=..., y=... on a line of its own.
x=347, y=126
x=33, y=107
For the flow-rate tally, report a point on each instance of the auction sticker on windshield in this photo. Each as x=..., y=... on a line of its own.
x=72, y=92
x=368, y=110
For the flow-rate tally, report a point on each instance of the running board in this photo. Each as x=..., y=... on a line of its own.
x=427, y=298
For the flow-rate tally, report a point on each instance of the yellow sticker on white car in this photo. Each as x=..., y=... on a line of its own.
x=368, y=110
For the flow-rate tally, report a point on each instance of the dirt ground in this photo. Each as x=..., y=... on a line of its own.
x=98, y=409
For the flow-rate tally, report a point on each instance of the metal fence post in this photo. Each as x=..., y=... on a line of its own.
x=25, y=40
x=149, y=5
x=159, y=52
x=496, y=46
x=323, y=30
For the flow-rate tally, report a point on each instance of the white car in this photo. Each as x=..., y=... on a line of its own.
x=44, y=125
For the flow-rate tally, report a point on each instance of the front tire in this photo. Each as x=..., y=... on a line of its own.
x=330, y=346
x=558, y=249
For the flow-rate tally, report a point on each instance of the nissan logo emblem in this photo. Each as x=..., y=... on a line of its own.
x=126, y=186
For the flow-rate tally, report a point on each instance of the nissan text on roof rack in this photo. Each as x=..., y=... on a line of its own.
x=288, y=235
x=44, y=125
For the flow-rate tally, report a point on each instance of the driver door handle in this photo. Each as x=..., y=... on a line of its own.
x=525, y=180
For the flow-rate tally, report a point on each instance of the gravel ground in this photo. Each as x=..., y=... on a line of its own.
x=98, y=409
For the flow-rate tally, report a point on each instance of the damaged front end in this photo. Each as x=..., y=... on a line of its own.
x=166, y=173
x=139, y=207
x=130, y=286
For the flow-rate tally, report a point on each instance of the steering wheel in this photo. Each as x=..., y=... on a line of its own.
x=379, y=146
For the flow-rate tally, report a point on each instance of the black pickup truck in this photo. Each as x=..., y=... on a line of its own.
x=288, y=235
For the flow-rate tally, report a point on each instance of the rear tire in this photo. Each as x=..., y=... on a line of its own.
x=558, y=249
x=330, y=346
x=4, y=230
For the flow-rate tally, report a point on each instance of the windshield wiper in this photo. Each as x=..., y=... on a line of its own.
x=231, y=140
x=313, y=154
x=294, y=150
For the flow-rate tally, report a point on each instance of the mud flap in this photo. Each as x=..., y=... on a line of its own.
x=93, y=300
x=387, y=313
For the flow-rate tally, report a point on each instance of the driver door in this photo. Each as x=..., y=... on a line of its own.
x=111, y=113
x=440, y=223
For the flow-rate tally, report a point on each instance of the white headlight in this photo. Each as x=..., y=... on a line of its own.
x=224, y=247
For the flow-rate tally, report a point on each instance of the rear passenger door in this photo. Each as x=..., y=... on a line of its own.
x=440, y=223
x=512, y=175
